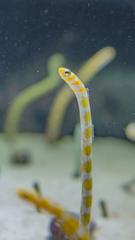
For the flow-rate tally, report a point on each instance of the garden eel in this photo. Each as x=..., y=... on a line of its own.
x=89, y=69
x=32, y=93
x=72, y=227
x=81, y=94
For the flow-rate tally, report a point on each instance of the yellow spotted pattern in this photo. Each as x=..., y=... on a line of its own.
x=86, y=218
x=88, y=133
x=87, y=117
x=87, y=184
x=71, y=78
x=87, y=201
x=87, y=166
x=76, y=83
x=87, y=150
x=84, y=102
x=70, y=225
x=80, y=90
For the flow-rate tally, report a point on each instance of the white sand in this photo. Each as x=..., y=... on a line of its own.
x=114, y=164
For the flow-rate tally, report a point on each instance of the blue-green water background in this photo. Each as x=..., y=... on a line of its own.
x=32, y=30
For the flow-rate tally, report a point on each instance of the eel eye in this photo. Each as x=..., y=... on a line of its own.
x=67, y=72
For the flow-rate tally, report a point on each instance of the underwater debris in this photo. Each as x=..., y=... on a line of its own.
x=129, y=186
x=37, y=188
x=104, y=208
x=32, y=93
x=72, y=227
x=61, y=102
x=21, y=158
x=130, y=131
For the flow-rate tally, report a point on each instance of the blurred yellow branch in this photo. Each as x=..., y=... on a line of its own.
x=68, y=222
x=88, y=70
x=32, y=93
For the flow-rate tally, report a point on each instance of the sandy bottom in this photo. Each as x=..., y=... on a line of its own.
x=52, y=166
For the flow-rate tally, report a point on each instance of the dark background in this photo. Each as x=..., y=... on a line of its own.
x=33, y=30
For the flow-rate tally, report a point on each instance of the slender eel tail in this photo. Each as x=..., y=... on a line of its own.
x=86, y=142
